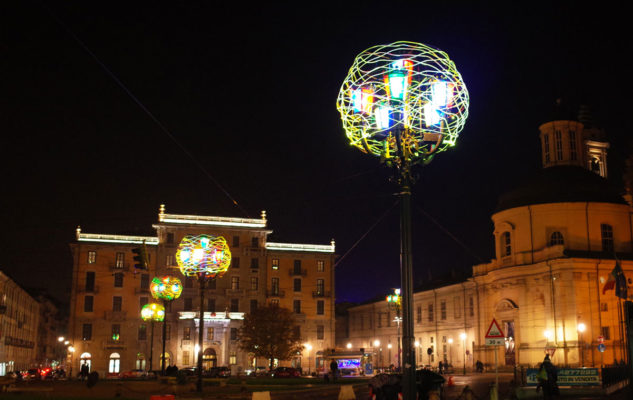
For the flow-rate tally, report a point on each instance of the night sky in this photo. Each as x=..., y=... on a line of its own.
x=111, y=109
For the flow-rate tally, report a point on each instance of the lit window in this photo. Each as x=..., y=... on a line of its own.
x=120, y=260
x=235, y=282
x=254, y=283
x=92, y=257
x=275, y=263
x=320, y=265
x=115, y=363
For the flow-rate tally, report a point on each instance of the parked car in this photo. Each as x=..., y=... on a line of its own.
x=219, y=372
x=285, y=372
x=31, y=374
x=257, y=371
x=133, y=374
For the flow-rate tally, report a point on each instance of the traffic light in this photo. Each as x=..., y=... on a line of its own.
x=140, y=257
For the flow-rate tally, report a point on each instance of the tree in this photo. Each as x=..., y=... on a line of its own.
x=270, y=332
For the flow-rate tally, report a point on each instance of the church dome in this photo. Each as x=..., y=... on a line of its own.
x=561, y=184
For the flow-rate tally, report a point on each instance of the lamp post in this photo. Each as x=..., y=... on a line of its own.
x=206, y=257
x=377, y=346
x=389, y=346
x=152, y=312
x=166, y=288
x=581, y=328
x=403, y=102
x=395, y=302
x=463, y=337
x=417, y=346
x=308, y=347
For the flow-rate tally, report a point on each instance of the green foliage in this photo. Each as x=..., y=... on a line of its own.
x=269, y=332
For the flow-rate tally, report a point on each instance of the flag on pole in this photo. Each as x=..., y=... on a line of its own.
x=616, y=281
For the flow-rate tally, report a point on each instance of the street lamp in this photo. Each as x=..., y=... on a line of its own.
x=206, y=257
x=395, y=301
x=167, y=288
x=349, y=345
x=308, y=347
x=60, y=339
x=463, y=337
x=403, y=102
x=151, y=312
x=581, y=328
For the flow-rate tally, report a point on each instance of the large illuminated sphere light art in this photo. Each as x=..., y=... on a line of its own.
x=204, y=256
x=153, y=312
x=165, y=287
x=403, y=87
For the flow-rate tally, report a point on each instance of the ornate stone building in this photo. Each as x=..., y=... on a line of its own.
x=107, y=295
x=557, y=237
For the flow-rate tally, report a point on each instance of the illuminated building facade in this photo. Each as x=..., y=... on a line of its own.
x=107, y=295
x=556, y=240
x=19, y=320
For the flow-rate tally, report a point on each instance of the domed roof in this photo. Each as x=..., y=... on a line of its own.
x=561, y=184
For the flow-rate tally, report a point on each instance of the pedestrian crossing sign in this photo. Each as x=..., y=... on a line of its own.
x=494, y=331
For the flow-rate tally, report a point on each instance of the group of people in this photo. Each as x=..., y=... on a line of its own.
x=171, y=370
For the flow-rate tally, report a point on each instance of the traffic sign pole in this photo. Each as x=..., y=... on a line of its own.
x=495, y=337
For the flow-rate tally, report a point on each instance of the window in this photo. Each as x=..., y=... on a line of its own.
x=253, y=305
x=605, y=332
x=297, y=285
x=236, y=241
x=320, y=332
x=118, y=279
x=471, y=306
x=235, y=262
x=114, y=364
x=143, y=300
x=235, y=282
x=233, y=333
x=274, y=286
x=606, y=232
x=254, y=263
x=186, y=333
x=320, y=307
x=255, y=242
x=170, y=260
x=254, y=283
x=90, y=281
x=170, y=238
x=211, y=305
x=275, y=263
x=142, y=332
x=604, y=307
x=457, y=307
x=506, y=245
x=296, y=306
x=120, y=260
x=185, y=357
x=320, y=265
x=144, y=281
x=572, y=145
x=546, y=145
x=233, y=358
x=443, y=310
x=320, y=287
x=274, y=302
x=88, y=303
x=297, y=267
x=117, y=303
x=559, y=145
x=431, y=313
x=210, y=333
x=418, y=314
x=235, y=305
x=86, y=332
x=92, y=257
x=556, y=238
x=116, y=332
x=188, y=304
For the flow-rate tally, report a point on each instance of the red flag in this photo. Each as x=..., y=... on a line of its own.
x=617, y=281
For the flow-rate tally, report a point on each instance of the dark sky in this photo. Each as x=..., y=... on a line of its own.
x=249, y=93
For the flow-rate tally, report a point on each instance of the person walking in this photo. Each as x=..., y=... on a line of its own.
x=547, y=377
x=334, y=370
x=440, y=366
x=83, y=372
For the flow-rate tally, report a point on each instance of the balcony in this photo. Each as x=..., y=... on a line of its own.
x=298, y=272
x=229, y=292
x=320, y=293
x=275, y=293
x=94, y=289
x=113, y=344
x=115, y=315
x=119, y=267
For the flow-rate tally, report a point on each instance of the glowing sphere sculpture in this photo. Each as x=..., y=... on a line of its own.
x=153, y=312
x=407, y=87
x=204, y=256
x=165, y=287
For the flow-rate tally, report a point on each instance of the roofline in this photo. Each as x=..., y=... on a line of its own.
x=119, y=239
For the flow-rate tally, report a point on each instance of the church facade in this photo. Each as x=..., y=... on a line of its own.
x=557, y=239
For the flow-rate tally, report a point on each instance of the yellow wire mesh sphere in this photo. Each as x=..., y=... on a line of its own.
x=203, y=256
x=404, y=87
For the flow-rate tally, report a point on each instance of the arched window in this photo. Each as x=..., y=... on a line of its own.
x=85, y=358
x=556, y=238
x=606, y=234
x=140, y=361
x=114, y=365
x=506, y=245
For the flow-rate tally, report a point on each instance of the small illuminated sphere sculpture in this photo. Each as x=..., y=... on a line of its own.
x=165, y=287
x=203, y=256
x=153, y=312
x=403, y=89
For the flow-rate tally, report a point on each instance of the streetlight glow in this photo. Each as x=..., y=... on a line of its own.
x=349, y=345
x=462, y=336
x=60, y=339
x=376, y=343
x=450, y=340
x=581, y=327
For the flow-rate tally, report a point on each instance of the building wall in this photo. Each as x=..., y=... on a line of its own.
x=19, y=319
